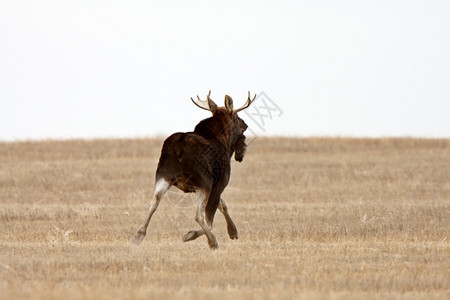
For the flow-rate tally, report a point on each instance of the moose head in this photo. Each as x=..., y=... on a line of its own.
x=225, y=123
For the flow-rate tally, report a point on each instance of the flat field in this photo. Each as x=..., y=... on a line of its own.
x=317, y=218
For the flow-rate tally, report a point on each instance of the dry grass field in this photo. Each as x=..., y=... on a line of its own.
x=317, y=218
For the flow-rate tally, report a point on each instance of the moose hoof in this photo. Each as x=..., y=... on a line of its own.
x=139, y=237
x=232, y=231
x=213, y=245
x=192, y=235
x=233, y=235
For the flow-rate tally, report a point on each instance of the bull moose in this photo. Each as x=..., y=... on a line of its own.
x=199, y=162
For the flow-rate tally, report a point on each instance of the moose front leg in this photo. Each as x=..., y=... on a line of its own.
x=231, y=228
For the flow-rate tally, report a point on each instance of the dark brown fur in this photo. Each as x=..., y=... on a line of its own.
x=201, y=159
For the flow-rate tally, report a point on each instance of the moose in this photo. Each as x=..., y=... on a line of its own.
x=199, y=162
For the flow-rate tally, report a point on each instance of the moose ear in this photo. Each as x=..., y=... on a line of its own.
x=212, y=105
x=229, y=103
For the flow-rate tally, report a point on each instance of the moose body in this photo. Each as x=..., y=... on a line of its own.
x=199, y=162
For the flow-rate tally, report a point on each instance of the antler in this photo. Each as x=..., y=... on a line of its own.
x=202, y=103
x=247, y=104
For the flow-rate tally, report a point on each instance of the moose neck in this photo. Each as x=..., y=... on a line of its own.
x=215, y=129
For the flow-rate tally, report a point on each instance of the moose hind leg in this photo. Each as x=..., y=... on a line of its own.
x=161, y=187
x=231, y=228
x=192, y=235
x=200, y=217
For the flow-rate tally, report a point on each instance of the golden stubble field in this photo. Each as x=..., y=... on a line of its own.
x=317, y=218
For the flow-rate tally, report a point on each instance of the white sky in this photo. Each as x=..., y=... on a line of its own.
x=71, y=69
